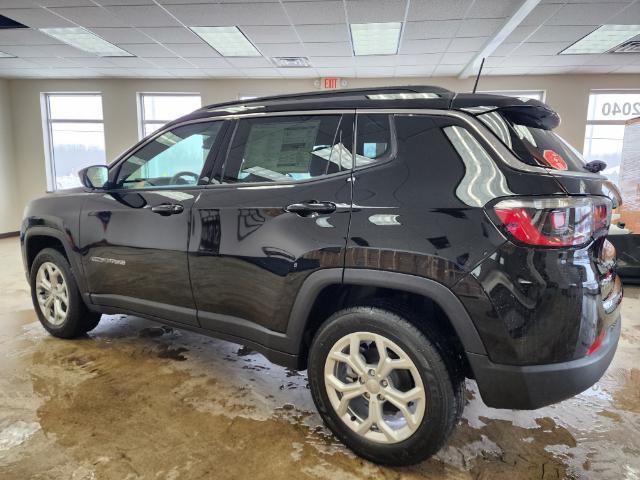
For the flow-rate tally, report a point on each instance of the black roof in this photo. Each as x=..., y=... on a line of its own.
x=394, y=97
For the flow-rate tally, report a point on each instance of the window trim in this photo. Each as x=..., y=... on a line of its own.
x=142, y=121
x=47, y=123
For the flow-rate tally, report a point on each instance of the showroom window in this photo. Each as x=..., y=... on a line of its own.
x=534, y=94
x=608, y=111
x=74, y=132
x=158, y=109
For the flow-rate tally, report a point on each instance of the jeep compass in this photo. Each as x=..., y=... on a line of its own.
x=391, y=241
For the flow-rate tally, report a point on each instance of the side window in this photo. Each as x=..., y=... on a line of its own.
x=284, y=149
x=374, y=142
x=174, y=158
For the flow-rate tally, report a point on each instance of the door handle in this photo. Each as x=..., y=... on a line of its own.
x=307, y=208
x=166, y=209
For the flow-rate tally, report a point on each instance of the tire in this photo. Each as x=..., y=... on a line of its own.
x=433, y=415
x=66, y=316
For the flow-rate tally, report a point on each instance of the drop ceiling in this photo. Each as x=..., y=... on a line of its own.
x=438, y=37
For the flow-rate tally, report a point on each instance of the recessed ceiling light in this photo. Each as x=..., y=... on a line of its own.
x=6, y=55
x=291, y=62
x=83, y=39
x=602, y=39
x=228, y=41
x=375, y=38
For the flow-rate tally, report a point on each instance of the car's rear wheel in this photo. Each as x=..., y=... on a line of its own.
x=382, y=386
x=56, y=297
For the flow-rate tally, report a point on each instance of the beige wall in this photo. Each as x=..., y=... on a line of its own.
x=568, y=94
x=10, y=209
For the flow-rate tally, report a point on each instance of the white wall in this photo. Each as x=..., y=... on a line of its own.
x=568, y=94
x=10, y=207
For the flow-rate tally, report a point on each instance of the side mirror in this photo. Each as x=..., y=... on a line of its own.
x=95, y=176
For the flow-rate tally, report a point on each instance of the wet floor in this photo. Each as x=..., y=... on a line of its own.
x=135, y=400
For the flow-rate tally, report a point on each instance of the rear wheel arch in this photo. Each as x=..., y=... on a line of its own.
x=327, y=291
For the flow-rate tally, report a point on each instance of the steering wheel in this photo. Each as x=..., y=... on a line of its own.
x=178, y=180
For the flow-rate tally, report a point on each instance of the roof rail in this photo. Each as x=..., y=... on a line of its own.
x=329, y=93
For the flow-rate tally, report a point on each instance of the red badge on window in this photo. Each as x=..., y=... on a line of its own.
x=554, y=160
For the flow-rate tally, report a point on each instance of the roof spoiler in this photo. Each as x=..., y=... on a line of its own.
x=535, y=116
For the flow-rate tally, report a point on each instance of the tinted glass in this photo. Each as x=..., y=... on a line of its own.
x=374, y=139
x=534, y=146
x=174, y=158
x=282, y=149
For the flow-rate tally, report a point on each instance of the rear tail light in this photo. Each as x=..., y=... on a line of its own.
x=553, y=221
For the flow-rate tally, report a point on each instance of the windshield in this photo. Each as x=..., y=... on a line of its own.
x=534, y=146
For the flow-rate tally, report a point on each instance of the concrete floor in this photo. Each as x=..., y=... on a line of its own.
x=136, y=400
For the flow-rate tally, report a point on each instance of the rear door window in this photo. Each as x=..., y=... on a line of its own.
x=288, y=148
x=374, y=139
x=534, y=146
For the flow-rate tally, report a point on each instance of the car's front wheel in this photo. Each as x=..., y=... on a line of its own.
x=382, y=386
x=56, y=297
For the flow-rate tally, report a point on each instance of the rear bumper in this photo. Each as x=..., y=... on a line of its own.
x=534, y=386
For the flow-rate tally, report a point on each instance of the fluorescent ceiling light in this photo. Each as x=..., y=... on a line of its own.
x=83, y=39
x=603, y=39
x=375, y=38
x=228, y=41
x=291, y=62
x=6, y=55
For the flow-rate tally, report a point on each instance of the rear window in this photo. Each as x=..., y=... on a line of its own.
x=534, y=146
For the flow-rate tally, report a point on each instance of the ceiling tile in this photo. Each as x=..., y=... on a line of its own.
x=509, y=71
x=521, y=33
x=585, y=14
x=619, y=59
x=566, y=33
x=129, y=62
x=433, y=45
x=331, y=62
x=171, y=34
x=36, y=17
x=629, y=69
x=523, y=61
x=90, y=16
x=172, y=62
x=64, y=3
x=144, y=15
x=596, y=69
x=253, y=62
x=298, y=72
x=15, y=63
x=418, y=60
x=53, y=62
x=375, y=60
x=479, y=27
x=282, y=49
x=261, y=72
x=339, y=49
x=438, y=9
x=124, y=2
x=540, y=14
x=226, y=14
x=309, y=13
x=542, y=48
x=122, y=35
x=270, y=33
x=456, y=58
x=366, y=11
x=146, y=49
x=222, y=72
x=323, y=33
x=210, y=62
x=192, y=49
x=431, y=29
x=188, y=73
x=470, y=44
x=372, y=72
x=337, y=72
x=94, y=62
x=492, y=9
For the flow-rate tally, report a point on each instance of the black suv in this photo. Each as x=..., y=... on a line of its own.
x=391, y=241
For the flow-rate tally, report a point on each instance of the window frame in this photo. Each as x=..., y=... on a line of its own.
x=216, y=151
x=142, y=121
x=47, y=128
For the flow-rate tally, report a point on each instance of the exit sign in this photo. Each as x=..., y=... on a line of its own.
x=330, y=83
